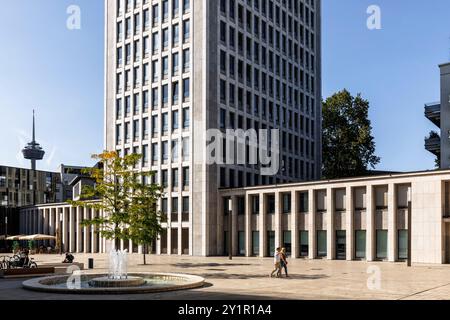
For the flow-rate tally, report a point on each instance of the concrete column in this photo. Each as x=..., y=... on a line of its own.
x=79, y=218
x=278, y=231
x=349, y=223
x=72, y=238
x=331, y=232
x=180, y=240
x=248, y=225
x=370, y=220
x=294, y=226
x=234, y=230
x=51, y=222
x=65, y=228
x=312, y=224
x=87, y=229
x=95, y=247
x=262, y=226
x=392, y=223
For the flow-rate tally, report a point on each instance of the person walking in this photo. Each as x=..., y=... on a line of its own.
x=283, y=262
x=276, y=260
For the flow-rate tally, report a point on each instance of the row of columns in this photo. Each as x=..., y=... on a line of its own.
x=310, y=226
x=64, y=222
x=83, y=239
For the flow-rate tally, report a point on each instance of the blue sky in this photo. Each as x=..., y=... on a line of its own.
x=59, y=72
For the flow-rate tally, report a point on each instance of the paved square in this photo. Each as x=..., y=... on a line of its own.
x=248, y=278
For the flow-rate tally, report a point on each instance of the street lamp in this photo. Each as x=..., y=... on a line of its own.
x=230, y=227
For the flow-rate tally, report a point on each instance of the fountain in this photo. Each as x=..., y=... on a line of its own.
x=117, y=281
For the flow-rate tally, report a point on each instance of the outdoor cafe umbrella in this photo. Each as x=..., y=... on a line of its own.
x=38, y=237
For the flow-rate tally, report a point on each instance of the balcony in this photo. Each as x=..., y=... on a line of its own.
x=433, y=143
x=433, y=113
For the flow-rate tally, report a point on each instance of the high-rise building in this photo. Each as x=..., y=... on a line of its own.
x=178, y=68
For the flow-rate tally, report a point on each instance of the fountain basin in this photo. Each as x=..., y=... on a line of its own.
x=153, y=283
x=106, y=282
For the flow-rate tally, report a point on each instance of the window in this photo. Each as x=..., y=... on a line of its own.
x=136, y=104
x=175, y=92
x=175, y=35
x=382, y=239
x=287, y=242
x=175, y=151
x=255, y=204
x=321, y=243
x=186, y=60
x=186, y=90
x=175, y=120
x=136, y=130
x=154, y=126
x=145, y=155
x=175, y=8
x=270, y=204
x=145, y=101
x=175, y=64
x=186, y=5
x=241, y=243
x=255, y=243
x=165, y=9
x=186, y=119
x=127, y=106
x=402, y=244
x=360, y=244
x=165, y=39
x=175, y=180
x=155, y=15
x=185, y=149
x=185, y=209
x=174, y=216
x=154, y=98
x=165, y=95
x=186, y=31
x=286, y=203
x=185, y=178
x=127, y=132
x=119, y=109
x=118, y=134
x=165, y=152
x=165, y=123
x=145, y=129
x=154, y=153
x=304, y=243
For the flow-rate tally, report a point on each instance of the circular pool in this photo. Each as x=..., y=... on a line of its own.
x=101, y=284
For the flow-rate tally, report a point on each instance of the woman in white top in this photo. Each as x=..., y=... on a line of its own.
x=276, y=260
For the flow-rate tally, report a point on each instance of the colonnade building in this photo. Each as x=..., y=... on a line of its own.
x=351, y=219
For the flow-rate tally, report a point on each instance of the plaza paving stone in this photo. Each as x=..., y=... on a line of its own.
x=248, y=278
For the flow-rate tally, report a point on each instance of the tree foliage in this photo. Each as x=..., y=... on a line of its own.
x=128, y=200
x=348, y=145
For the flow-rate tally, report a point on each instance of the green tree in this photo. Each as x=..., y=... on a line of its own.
x=144, y=224
x=125, y=196
x=348, y=145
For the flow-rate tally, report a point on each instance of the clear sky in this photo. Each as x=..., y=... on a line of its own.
x=58, y=71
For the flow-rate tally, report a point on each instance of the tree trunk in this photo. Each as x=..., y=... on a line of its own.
x=144, y=251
